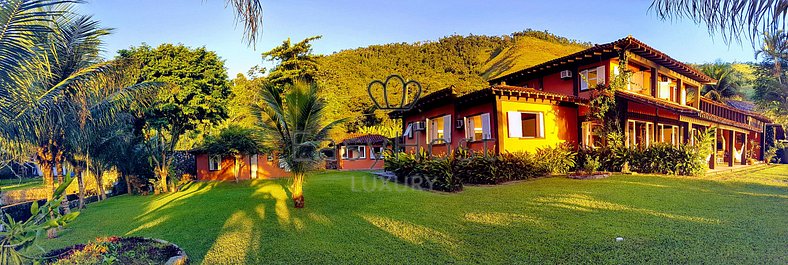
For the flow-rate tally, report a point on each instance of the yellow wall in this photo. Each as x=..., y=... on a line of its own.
x=560, y=125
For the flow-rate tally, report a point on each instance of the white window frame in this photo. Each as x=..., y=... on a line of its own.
x=599, y=79
x=675, y=137
x=447, y=129
x=408, y=130
x=631, y=140
x=516, y=118
x=214, y=162
x=376, y=155
x=588, y=133
x=363, y=150
x=470, y=127
x=343, y=150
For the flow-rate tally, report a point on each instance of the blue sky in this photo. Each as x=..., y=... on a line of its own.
x=352, y=24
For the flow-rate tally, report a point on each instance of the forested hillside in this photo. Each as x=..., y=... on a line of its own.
x=465, y=62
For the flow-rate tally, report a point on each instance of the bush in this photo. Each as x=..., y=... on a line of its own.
x=557, y=160
x=477, y=169
x=519, y=166
x=425, y=172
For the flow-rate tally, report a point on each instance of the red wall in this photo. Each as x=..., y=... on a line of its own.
x=367, y=163
x=265, y=168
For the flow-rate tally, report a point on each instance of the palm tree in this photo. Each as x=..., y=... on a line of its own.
x=729, y=81
x=775, y=51
x=731, y=18
x=61, y=83
x=294, y=125
x=250, y=13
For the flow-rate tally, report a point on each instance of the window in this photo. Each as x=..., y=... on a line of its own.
x=592, y=77
x=639, y=133
x=668, y=134
x=591, y=134
x=376, y=152
x=439, y=128
x=214, y=162
x=354, y=152
x=477, y=127
x=525, y=124
x=408, y=130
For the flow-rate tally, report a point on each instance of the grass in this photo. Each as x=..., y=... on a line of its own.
x=17, y=184
x=354, y=217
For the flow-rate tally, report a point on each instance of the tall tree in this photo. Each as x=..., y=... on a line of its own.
x=194, y=97
x=774, y=51
x=729, y=81
x=293, y=62
x=294, y=124
x=732, y=19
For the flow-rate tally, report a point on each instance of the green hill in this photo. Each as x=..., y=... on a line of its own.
x=465, y=62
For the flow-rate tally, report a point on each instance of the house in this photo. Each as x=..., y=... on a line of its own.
x=548, y=104
x=362, y=152
x=218, y=167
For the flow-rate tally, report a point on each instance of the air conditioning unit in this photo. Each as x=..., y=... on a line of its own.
x=459, y=124
x=419, y=126
x=566, y=74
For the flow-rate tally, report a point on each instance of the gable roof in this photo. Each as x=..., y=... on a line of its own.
x=589, y=55
x=365, y=139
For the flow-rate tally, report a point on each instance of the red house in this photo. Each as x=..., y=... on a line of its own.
x=216, y=167
x=362, y=152
x=547, y=104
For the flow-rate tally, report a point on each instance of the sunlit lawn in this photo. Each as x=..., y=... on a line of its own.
x=17, y=184
x=354, y=217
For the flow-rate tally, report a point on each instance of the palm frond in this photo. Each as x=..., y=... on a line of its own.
x=250, y=14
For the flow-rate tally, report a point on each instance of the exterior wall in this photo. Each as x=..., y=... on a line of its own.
x=560, y=125
x=478, y=146
x=265, y=169
x=367, y=163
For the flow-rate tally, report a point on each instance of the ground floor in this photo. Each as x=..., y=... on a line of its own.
x=355, y=217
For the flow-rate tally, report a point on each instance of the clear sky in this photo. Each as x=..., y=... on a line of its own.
x=351, y=24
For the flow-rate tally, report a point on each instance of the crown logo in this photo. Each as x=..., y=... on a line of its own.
x=399, y=85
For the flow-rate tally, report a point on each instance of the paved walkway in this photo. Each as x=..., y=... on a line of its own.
x=724, y=168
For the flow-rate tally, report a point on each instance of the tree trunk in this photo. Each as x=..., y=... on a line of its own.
x=49, y=178
x=100, y=183
x=59, y=168
x=163, y=180
x=236, y=167
x=128, y=184
x=298, y=190
x=81, y=183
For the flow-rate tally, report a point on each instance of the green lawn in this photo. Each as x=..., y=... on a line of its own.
x=354, y=217
x=16, y=184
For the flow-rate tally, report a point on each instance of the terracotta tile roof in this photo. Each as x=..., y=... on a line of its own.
x=535, y=93
x=666, y=104
x=357, y=139
x=609, y=49
x=743, y=107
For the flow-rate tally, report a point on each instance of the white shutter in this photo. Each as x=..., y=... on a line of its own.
x=615, y=70
x=540, y=123
x=408, y=130
x=447, y=125
x=584, y=80
x=515, y=124
x=486, y=133
x=600, y=75
x=468, y=128
x=664, y=90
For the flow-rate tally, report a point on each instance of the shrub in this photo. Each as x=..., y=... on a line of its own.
x=477, y=169
x=425, y=172
x=591, y=164
x=519, y=166
x=557, y=160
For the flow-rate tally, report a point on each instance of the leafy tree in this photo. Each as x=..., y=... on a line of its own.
x=194, y=97
x=729, y=81
x=234, y=141
x=295, y=125
x=294, y=62
x=731, y=18
x=774, y=51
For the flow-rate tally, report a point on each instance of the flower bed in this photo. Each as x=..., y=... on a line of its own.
x=117, y=250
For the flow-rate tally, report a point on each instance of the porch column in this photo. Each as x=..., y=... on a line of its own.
x=744, y=151
x=713, y=158
x=731, y=147
x=688, y=139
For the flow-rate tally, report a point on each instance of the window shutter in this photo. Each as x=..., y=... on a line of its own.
x=583, y=80
x=468, y=128
x=540, y=123
x=515, y=124
x=447, y=125
x=408, y=130
x=486, y=134
x=600, y=75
